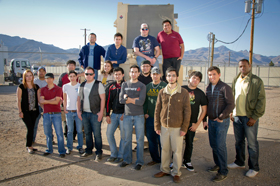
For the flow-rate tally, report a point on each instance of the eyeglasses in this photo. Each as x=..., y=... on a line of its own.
x=145, y=29
x=89, y=74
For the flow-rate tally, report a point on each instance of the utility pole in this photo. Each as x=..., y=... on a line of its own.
x=41, y=55
x=85, y=34
x=212, y=50
x=228, y=58
x=252, y=34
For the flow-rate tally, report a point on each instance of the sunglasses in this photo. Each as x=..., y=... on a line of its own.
x=89, y=74
x=145, y=29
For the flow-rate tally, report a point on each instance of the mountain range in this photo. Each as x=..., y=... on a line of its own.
x=30, y=49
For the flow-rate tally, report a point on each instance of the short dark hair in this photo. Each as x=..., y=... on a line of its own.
x=166, y=21
x=246, y=60
x=71, y=62
x=118, y=35
x=197, y=74
x=171, y=69
x=92, y=34
x=89, y=68
x=135, y=66
x=72, y=72
x=118, y=69
x=214, y=68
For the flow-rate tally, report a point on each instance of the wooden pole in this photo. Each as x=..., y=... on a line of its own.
x=252, y=34
x=212, y=50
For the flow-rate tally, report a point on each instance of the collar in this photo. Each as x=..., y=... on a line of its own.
x=165, y=90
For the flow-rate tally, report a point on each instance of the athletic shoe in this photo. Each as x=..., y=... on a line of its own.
x=138, y=167
x=235, y=166
x=214, y=169
x=219, y=177
x=68, y=151
x=188, y=166
x=123, y=164
x=62, y=155
x=111, y=159
x=118, y=160
x=81, y=151
x=98, y=157
x=251, y=173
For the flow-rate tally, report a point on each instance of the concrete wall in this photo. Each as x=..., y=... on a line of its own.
x=3, y=57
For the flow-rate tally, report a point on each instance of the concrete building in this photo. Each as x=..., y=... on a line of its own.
x=3, y=61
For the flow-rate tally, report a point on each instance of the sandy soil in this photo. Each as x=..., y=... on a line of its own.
x=20, y=168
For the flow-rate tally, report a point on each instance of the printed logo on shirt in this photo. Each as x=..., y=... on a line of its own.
x=145, y=45
x=128, y=88
x=91, y=52
x=192, y=97
x=153, y=92
x=76, y=89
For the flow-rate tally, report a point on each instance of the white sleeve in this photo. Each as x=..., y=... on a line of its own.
x=101, y=89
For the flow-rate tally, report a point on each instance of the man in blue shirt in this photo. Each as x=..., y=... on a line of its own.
x=144, y=46
x=116, y=53
x=90, y=55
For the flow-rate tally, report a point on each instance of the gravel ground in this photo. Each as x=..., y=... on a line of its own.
x=20, y=168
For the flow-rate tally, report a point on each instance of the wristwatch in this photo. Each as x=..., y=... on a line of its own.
x=126, y=98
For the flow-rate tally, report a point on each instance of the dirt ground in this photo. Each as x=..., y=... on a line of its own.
x=20, y=168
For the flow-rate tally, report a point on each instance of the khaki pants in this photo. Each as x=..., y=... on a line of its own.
x=171, y=143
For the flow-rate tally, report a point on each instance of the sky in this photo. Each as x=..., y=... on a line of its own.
x=59, y=22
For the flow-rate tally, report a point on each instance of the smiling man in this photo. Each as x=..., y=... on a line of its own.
x=249, y=94
x=145, y=45
x=220, y=105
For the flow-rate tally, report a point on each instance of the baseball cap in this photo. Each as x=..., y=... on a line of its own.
x=155, y=70
x=49, y=75
x=41, y=67
x=145, y=62
x=144, y=25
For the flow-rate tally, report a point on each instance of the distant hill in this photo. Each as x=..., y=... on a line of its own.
x=30, y=49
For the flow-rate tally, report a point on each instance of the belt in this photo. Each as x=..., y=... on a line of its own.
x=72, y=110
x=53, y=112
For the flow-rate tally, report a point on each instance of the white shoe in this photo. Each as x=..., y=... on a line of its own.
x=235, y=166
x=251, y=173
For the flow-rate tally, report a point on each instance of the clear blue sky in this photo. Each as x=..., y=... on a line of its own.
x=58, y=22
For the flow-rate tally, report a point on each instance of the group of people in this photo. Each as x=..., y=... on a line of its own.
x=155, y=105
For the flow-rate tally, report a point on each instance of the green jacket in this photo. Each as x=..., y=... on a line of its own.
x=255, y=96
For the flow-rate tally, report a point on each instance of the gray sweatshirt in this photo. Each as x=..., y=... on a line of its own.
x=133, y=90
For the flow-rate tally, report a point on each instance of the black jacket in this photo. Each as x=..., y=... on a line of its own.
x=112, y=99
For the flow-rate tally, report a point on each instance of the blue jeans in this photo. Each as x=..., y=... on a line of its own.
x=153, y=140
x=92, y=125
x=95, y=74
x=138, y=122
x=55, y=119
x=70, y=118
x=111, y=128
x=242, y=131
x=36, y=123
x=139, y=59
x=217, y=136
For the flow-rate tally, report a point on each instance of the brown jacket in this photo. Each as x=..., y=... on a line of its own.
x=174, y=110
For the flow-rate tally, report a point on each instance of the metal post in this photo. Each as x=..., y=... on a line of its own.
x=268, y=76
x=212, y=50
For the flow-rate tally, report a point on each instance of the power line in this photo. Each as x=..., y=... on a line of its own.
x=237, y=38
x=198, y=7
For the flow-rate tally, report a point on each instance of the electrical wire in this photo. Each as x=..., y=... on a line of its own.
x=216, y=40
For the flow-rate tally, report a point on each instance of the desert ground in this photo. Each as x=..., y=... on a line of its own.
x=20, y=168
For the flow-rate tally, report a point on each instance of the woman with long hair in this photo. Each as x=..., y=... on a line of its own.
x=27, y=100
x=107, y=73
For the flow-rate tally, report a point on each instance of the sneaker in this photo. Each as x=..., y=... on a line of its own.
x=30, y=151
x=219, y=177
x=62, y=155
x=85, y=155
x=214, y=169
x=188, y=166
x=138, y=167
x=235, y=166
x=98, y=157
x=46, y=153
x=118, y=160
x=251, y=173
x=123, y=164
x=81, y=151
x=171, y=165
x=111, y=159
x=68, y=151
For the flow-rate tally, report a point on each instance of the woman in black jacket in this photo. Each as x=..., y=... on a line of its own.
x=27, y=99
